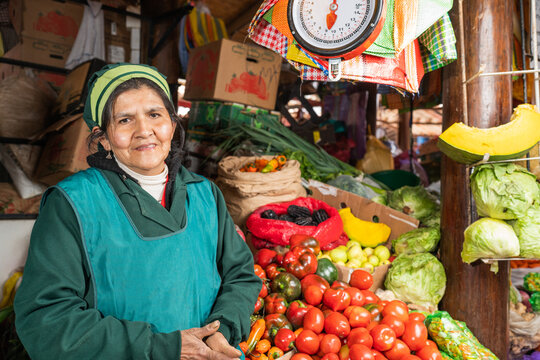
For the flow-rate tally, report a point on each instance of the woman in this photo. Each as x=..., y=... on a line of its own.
x=136, y=257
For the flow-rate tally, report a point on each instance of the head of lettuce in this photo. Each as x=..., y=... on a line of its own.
x=503, y=191
x=490, y=239
x=417, y=278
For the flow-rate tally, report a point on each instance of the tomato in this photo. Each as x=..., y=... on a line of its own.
x=300, y=356
x=260, y=272
x=305, y=240
x=314, y=320
x=360, y=352
x=399, y=350
x=383, y=337
x=337, y=324
x=378, y=355
x=358, y=316
x=370, y=297
x=360, y=336
x=394, y=323
x=313, y=295
x=339, y=285
x=357, y=297
x=429, y=352
x=397, y=308
x=275, y=304
x=296, y=312
x=330, y=343
x=371, y=325
x=415, y=335
x=314, y=279
x=361, y=279
x=284, y=339
x=416, y=316
x=330, y=356
x=336, y=300
x=410, y=357
x=430, y=343
x=344, y=353
x=307, y=342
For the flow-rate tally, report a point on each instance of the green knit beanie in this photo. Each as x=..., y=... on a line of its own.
x=103, y=82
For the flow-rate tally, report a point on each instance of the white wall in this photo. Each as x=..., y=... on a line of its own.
x=14, y=241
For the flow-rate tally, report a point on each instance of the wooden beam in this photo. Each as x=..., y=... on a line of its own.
x=474, y=294
x=244, y=19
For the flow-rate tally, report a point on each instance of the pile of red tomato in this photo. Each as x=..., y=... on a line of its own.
x=329, y=321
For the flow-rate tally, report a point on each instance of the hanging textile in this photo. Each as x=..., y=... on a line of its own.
x=384, y=44
x=404, y=71
x=90, y=41
x=439, y=44
x=202, y=28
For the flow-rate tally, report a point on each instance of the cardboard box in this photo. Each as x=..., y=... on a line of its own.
x=364, y=209
x=65, y=150
x=367, y=210
x=73, y=92
x=117, y=38
x=47, y=30
x=231, y=71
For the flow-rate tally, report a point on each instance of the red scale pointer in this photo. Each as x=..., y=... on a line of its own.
x=332, y=17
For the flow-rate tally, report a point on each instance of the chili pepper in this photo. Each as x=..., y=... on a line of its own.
x=275, y=304
x=273, y=270
x=263, y=346
x=257, y=331
x=300, y=261
x=260, y=164
x=282, y=159
x=265, y=257
x=243, y=346
x=288, y=285
x=272, y=165
x=274, y=322
x=305, y=240
x=259, y=304
x=274, y=353
x=296, y=312
x=251, y=167
x=259, y=272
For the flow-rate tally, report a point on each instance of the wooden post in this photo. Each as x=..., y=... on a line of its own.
x=474, y=294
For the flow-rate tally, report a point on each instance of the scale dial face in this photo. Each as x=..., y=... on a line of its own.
x=332, y=28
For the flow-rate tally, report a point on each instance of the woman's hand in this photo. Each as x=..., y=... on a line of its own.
x=193, y=346
x=217, y=342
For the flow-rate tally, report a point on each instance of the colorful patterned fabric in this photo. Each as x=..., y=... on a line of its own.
x=439, y=44
x=384, y=44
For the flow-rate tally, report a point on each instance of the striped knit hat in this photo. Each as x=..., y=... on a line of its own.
x=103, y=82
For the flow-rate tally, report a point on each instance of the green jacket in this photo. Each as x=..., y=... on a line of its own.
x=55, y=312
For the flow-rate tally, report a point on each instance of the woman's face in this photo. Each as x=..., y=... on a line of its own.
x=140, y=131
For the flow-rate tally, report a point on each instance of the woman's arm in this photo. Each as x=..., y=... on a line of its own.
x=54, y=306
x=239, y=284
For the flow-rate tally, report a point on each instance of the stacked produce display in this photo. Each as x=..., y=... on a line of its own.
x=304, y=312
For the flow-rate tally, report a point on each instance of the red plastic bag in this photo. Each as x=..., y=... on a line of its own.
x=270, y=233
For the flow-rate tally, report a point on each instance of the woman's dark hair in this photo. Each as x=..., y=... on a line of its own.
x=137, y=83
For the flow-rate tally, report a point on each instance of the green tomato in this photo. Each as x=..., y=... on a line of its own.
x=382, y=252
x=373, y=260
x=339, y=255
x=355, y=252
x=368, y=251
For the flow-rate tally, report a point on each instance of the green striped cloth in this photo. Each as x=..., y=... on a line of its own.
x=384, y=44
x=439, y=45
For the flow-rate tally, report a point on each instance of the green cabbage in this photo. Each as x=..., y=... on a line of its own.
x=415, y=201
x=434, y=220
x=527, y=229
x=417, y=241
x=489, y=238
x=503, y=191
x=417, y=278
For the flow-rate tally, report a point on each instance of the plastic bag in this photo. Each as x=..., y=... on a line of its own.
x=270, y=232
x=524, y=330
x=350, y=184
x=455, y=339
